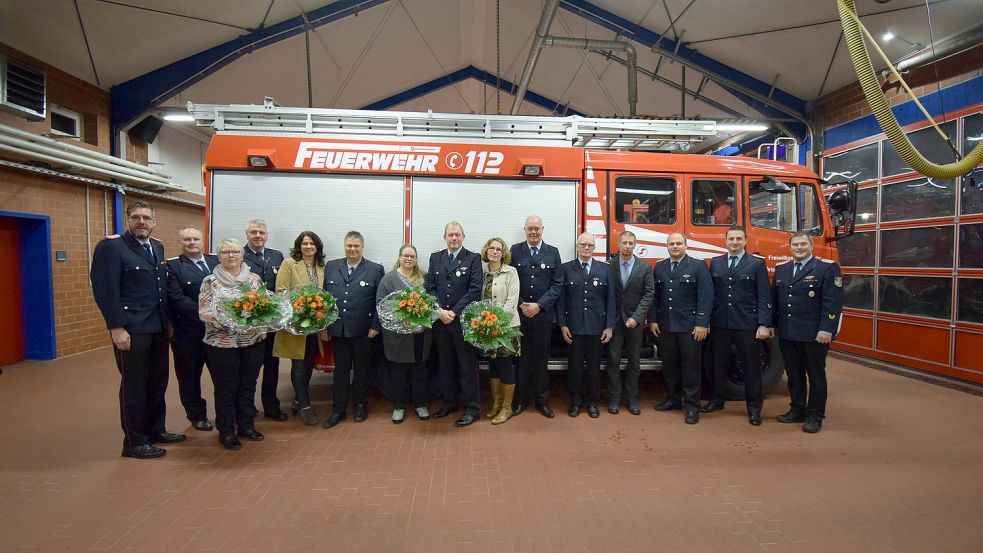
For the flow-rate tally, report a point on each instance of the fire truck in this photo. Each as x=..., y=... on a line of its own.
x=399, y=177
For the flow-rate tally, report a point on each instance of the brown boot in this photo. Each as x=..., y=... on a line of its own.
x=508, y=391
x=496, y=388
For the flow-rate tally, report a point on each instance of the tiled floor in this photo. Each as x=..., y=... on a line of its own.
x=896, y=469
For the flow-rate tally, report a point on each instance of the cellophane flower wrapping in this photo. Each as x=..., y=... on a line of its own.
x=408, y=311
x=486, y=327
x=246, y=310
x=311, y=310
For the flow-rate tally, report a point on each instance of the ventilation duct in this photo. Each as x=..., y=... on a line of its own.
x=22, y=89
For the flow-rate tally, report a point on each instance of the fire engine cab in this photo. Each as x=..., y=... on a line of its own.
x=399, y=177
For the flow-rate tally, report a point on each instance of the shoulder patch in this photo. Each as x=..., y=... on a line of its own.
x=786, y=262
x=824, y=260
x=156, y=239
x=113, y=236
x=758, y=255
x=174, y=258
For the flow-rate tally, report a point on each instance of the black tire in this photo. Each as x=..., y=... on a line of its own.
x=772, y=369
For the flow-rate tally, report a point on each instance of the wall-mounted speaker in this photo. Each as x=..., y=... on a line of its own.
x=146, y=130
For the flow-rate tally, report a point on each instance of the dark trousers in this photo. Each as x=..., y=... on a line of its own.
x=532, y=376
x=143, y=381
x=749, y=353
x=585, y=355
x=189, y=360
x=629, y=341
x=681, y=367
x=234, y=372
x=501, y=367
x=458, y=367
x=805, y=365
x=271, y=376
x=352, y=356
x=409, y=384
x=301, y=371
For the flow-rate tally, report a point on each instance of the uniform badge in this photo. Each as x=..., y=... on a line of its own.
x=595, y=281
x=812, y=293
x=276, y=270
x=832, y=316
x=457, y=273
x=542, y=265
x=362, y=283
x=838, y=282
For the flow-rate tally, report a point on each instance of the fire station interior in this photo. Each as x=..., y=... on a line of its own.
x=856, y=122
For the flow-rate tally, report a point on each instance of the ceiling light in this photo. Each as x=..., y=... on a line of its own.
x=182, y=117
x=888, y=36
x=742, y=127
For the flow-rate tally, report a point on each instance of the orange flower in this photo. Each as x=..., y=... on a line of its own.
x=319, y=315
x=402, y=303
x=312, y=305
x=494, y=332
x=247, y=306
x=411, y=303
x=474, y=324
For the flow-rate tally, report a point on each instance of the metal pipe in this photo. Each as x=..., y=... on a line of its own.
x=590, y=44
x=62, y=161
x=943, y=49
x=545, y=20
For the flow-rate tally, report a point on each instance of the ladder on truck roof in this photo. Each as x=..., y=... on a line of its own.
x=586, y=132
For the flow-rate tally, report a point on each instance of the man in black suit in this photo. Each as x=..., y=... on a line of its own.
x=265, y=262
x=634, y=289
x=184, y=275
x=353, y=281
x=454, y=277
x=129, y=283
x=540, y=284
x=680, y=317
x=808, y=300
x=741, y=316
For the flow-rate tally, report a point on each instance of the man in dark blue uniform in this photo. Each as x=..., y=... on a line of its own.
x=454, y=278
x=265, y=262
x=540, y=284
x=353, y=281
x=808, y=299
x=184, y=275
x=680, y=317
x=741, y=316
x=586, y=312
x=634, y=290
x=129, y=283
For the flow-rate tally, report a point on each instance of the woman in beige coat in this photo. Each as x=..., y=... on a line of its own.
x=502, y=285
x=305, y=266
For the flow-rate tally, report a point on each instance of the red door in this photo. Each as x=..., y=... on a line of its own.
x=12, y=320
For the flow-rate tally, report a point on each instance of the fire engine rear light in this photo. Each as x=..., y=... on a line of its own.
x=261, y=158
x=532, y=170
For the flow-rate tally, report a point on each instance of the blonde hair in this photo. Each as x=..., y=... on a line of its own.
x=506, y=254
x=416, y=277
x=229, y=242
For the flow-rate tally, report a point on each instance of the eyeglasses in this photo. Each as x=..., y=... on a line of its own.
x=405, y=256
x=230, y=254
x=586, y=245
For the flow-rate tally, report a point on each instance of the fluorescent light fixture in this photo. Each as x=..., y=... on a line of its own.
x=182, y=117
x=888, y=36
x=742, y=127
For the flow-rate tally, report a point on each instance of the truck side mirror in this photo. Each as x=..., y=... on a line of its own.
x=843, y=209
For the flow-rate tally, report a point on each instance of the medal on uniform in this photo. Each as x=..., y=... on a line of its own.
x=361, y=283
x=458, y=273
x=812, y=293
x=542, y=265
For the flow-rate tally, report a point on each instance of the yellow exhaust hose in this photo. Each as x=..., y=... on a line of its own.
x=879, y=105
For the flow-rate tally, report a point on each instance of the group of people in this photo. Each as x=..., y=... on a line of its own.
x=148, y=302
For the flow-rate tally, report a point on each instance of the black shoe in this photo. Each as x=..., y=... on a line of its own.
x=754, y=417
x=692, y=416
x=167, y=438
x=466, y=419
x=793, y=416
x=574, y=410
x=278, y=416
x=613, y=408
x=361, y=412
x=229, y=441
x=251, y=434
x=333, y=420
x=445, y=410
x=668, y=405
x=145, y=451
x=518, y=408
x=545, y=410
x=713, y=405
x=633, y=407
x=813, y=425
x=593, y=412
x=203, y=424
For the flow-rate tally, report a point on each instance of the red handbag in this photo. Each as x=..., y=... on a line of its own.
x=324, y=357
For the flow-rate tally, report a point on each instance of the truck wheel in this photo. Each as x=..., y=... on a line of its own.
x=772, y=369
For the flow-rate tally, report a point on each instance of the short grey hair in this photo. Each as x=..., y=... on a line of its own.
x=229, y=242
x=255, y=222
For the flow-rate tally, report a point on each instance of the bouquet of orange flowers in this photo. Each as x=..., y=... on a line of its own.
x=251, y=310
x=408, y=311
x=313, y=310
x=486, y=327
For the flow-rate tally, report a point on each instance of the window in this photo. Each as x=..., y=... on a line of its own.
x=971, y=246
x=867, y=205
x=917, y=247
x=917, y=296
x=858, y=291
x=970, y=308
x=858, y=249
x=971, y=197
x=928, y=143
x=918, y=199
x=859, y=164
x=782, y=211
x=65, y=122
x=713, y=202
x=812, y=220
x=972, y=132
x=645, y=200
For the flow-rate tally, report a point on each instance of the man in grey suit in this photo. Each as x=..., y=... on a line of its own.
x=634, y=289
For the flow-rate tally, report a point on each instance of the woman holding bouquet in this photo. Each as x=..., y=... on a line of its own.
x=234, y=355
x=406, y=353
x=304, y=267
x=501, y=284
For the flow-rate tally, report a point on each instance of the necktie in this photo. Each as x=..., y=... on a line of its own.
x=350, y=270
x=674, y=265
x=535, y=251
x=586, y=267
x=798, y=267
x=150, y=251
x=202, y=266
x=260, y=256
x=624, y=272
x=733, y=261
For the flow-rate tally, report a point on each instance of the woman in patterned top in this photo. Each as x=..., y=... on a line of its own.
x=234, y=358
x=501, y=285
x=305, y=266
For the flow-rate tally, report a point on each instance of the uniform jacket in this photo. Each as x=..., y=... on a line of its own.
x=355, y=295
x=683, y=298
x=183, y=286
x=266, y=269
x=635, y=298
x=587, y=305
x=540, y=280
x=129, y=286
x=742, y=296
x=293, y=273
x=505, y=291
x=454, y=286
x=809, y=303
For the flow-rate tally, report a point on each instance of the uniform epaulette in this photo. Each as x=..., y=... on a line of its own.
x=784, y=262
x=174, y=258
x=157, y=239
x=113, y=236
x=826, y=260
x=758, y=255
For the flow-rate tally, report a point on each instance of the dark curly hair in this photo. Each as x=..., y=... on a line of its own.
x=318, y=254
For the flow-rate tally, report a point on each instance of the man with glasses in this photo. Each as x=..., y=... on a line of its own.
x=129, y=283
x=586, y=312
